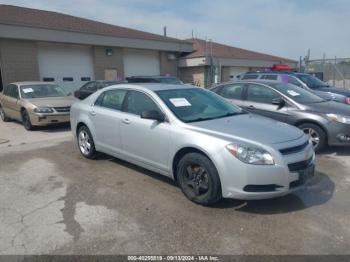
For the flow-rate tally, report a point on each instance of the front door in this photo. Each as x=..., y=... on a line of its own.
x=259, y=100
x=144, y=140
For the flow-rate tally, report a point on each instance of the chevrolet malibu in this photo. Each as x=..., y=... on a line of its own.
x=35, y=104
x=212, y=148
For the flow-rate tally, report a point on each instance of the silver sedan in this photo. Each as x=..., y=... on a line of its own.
x=212, y=148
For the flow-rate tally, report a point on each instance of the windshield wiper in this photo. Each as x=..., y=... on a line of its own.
x=216, y=117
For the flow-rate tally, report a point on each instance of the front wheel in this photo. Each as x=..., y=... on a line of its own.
x=86, y=143
x=26, y=121
x=199, y=180
x=317, y=136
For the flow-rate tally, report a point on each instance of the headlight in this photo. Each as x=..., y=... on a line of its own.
x=251, y=155
x=339, y=118
x=43, y=110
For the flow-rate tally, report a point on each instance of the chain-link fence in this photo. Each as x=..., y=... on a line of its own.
x=335, y=72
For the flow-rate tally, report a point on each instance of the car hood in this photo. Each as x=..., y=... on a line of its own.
x=335, y=90
x=329, y=107
x=52, y=101
x=248, y=127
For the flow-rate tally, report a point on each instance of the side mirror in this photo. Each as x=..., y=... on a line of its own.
x=154, y=115
x=278, y=102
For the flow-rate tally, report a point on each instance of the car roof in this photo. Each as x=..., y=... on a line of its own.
x=252, y=81
x=33, y=83
x=150, y=77
x=151, y=86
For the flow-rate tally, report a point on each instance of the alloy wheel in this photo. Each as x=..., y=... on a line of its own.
x=196, y=180
x=84, y=142
x=314, y=136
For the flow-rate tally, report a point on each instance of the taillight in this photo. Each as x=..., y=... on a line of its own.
x=347, y=100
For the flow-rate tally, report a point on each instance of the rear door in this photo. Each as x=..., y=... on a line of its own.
x=259, y=100
x=233, y=93
x=106, y=115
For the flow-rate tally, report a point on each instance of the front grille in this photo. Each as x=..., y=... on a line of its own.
x=294, y=167
x=62, y=109
x=295, y=149
x=261, y=188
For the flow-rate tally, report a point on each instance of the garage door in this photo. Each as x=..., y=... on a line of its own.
x=236, y=71
x=70, y=66
x=141, y=62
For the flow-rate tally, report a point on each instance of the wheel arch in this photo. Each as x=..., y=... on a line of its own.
x=301, y=122
x=181, y=153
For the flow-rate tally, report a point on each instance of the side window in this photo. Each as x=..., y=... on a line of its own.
x=261, y=94
x=269, y=77
x=112, y=99
x=137, y=102
x=7, y=90
x=293, y=81
x=232, y=91
x=249, y=76
x=89, y=87
x=99, y=85
x=12, y=91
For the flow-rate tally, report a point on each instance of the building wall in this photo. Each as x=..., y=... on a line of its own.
x=193, y=75
x=103, y=61
x=18, y=61
x=225, y=74
x=168, y=66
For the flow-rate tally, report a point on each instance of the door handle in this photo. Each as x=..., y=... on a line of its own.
x=126, y=121
x=93, y=113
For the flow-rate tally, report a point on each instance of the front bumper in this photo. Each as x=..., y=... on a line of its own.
x=248, y=182
x=49, y=119
x=338, y=134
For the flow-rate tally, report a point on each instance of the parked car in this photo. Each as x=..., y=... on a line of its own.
x=306, y=81
x=327, y=122
x=35, y=104
x=154, y=79
x=213, y=149
x=92, y=86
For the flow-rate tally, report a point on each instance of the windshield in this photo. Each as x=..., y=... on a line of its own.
x=40, y=91
x=197, y=104
x=311, y=81
x=298, y=94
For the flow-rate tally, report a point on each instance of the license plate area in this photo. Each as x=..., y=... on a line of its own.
x=306, y=174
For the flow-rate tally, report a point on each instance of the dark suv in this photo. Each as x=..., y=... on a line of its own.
x=306, y=81
x=154, y=79
x=92, y=86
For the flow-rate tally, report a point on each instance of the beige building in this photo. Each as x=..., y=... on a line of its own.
x=49, y=46
x=37, y=45
x=212, y=62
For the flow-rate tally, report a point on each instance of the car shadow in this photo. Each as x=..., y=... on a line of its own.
x=52, y=128
x=337, y=150
x=318, y=192
x=136, y=168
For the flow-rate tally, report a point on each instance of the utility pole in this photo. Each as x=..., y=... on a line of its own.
x=164, y=30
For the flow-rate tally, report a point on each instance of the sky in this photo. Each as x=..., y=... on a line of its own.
x=286, y=28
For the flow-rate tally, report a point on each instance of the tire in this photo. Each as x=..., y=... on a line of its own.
x=198, y=179
x=26, y=121
x=86, y=143
x=317, y=135
x=3, y=115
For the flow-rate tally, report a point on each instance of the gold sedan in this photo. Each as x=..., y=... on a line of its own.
x=35, y=104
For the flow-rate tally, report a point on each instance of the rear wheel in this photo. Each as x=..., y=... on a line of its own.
x=317, y=136
x=26, y=120
x=3, y=115
x=86, y=143
x=199, y=179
